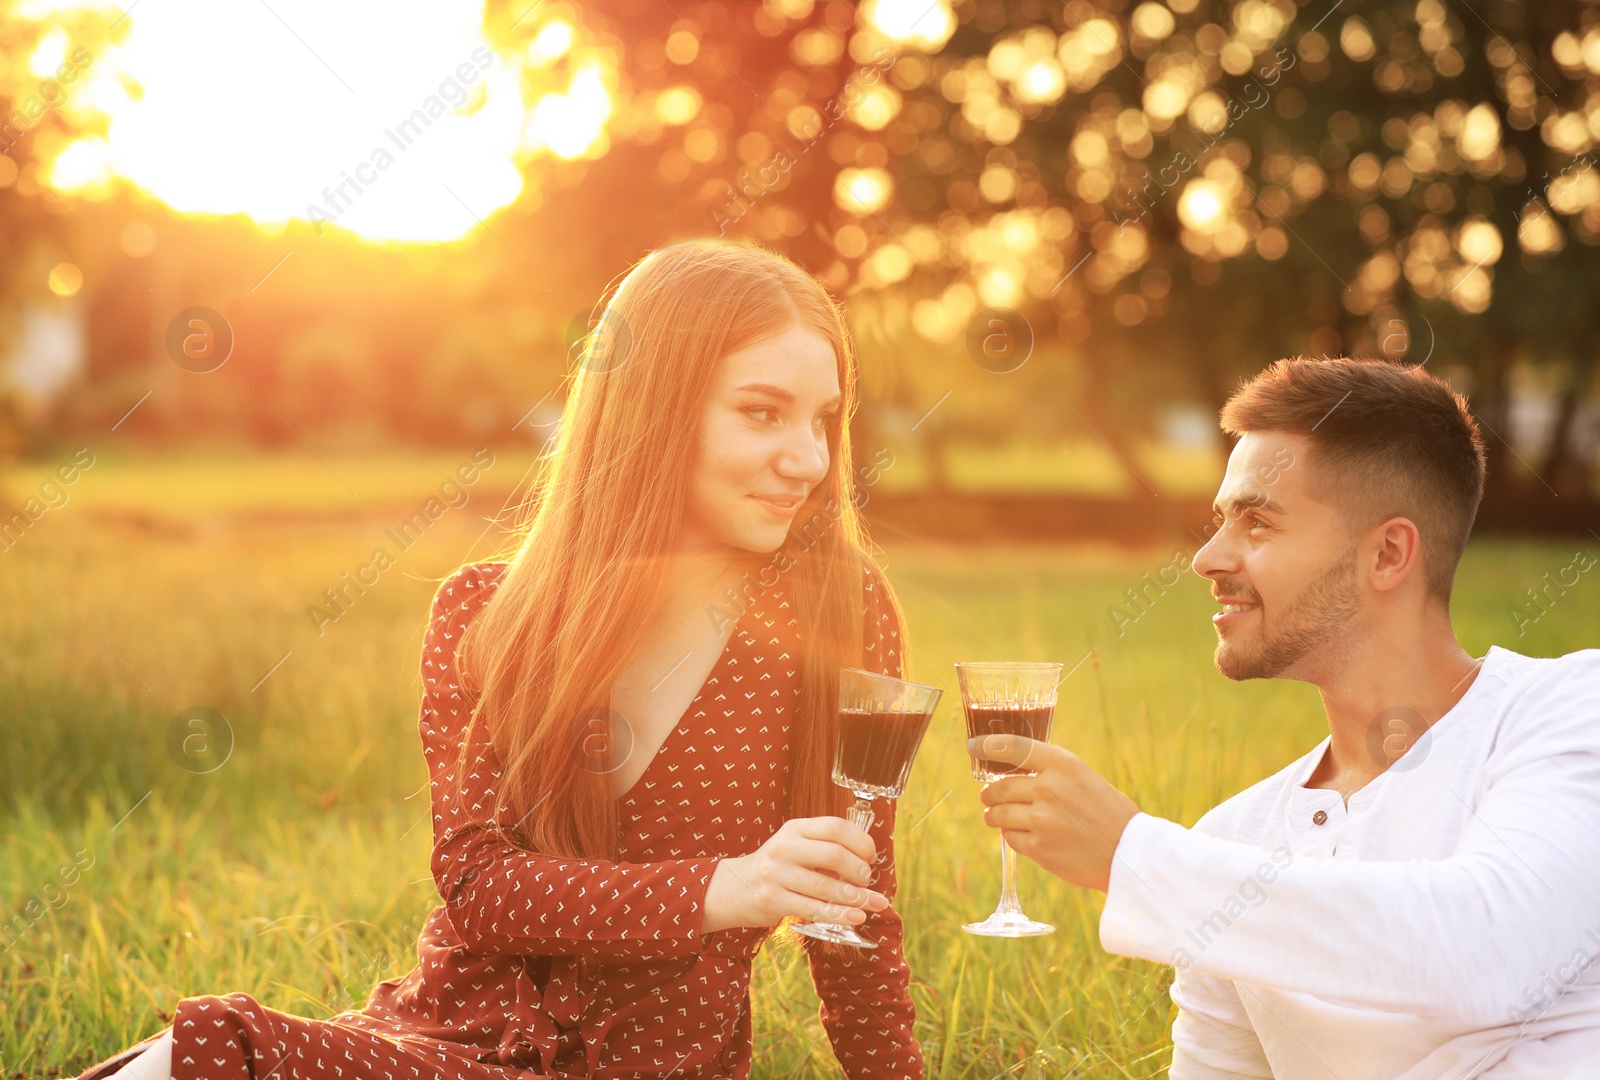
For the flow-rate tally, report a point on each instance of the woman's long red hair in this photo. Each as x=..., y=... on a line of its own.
x=585, y=563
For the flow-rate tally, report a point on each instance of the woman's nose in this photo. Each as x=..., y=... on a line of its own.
x=805, y=457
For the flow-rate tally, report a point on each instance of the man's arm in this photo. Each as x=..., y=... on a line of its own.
x=1212, y=1037
x=1463, y=938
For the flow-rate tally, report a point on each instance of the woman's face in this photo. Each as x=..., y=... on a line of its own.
x=763, y=442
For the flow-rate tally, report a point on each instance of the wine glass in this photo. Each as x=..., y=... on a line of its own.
x=881, y=724
x=1010, y=698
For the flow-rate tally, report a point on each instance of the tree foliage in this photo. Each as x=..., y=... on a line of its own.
x=1168, y=196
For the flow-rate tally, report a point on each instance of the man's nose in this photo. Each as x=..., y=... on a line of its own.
x=1216, y=556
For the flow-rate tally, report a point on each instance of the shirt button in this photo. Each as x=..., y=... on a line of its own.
x=1319, y=817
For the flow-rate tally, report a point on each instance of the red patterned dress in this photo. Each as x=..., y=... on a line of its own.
x=539, y=966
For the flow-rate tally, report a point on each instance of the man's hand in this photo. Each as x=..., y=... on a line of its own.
x=1066, y=818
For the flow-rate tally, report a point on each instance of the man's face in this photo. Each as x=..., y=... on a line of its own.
x=1281, y=564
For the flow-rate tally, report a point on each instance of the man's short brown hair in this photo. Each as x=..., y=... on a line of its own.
x=1386, y=439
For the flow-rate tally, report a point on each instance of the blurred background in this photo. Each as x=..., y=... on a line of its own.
x=399, y=224
x=276, y=277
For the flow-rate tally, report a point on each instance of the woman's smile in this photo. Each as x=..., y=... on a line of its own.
x=780, y=506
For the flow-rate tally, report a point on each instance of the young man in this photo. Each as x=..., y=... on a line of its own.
x=1418, y=897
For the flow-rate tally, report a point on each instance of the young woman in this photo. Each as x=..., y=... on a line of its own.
x=630, y=727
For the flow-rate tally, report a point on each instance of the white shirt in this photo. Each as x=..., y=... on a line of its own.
x=1445, y=926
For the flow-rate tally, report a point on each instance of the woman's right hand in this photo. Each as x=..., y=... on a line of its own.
x=784, y=878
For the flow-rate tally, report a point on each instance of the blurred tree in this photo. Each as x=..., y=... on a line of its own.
x=40, y=61
x=1212, y=184
x=1171, y=194
x=1176, y=192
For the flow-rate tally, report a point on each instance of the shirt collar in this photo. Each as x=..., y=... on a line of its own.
x=1489, y=667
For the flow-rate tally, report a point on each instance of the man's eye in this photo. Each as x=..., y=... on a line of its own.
x=1257, y=523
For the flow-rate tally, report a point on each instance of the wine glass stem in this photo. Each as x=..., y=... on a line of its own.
x=860, y=813
x=1008, y=881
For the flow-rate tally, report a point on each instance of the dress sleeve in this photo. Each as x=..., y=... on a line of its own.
x=866, y=993
x=501, y=898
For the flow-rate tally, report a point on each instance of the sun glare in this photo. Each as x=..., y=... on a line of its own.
x=926, y=26
x=396, y=121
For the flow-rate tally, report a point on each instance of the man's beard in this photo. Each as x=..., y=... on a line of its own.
x=1321, y=612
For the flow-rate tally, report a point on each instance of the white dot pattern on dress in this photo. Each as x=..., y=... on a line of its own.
x=537, y=965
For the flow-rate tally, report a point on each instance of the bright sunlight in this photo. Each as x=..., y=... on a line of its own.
x=397, y=121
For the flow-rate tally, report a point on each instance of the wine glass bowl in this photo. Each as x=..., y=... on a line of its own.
x=881, y=724
x=1007, y=698
x=875, y=750
x=1028, y=718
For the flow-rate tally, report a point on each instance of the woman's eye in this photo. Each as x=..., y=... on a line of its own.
x=763, y=414
x=827, y=419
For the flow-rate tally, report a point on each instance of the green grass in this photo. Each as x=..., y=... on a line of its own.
x=298, y=870
x=1084, y=467
x=198, y=482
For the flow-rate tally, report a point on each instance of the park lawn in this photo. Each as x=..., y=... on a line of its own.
x=201, y=481
x=297, y=871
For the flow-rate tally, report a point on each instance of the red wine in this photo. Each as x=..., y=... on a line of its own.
x=1007, y=718
x=876, y=747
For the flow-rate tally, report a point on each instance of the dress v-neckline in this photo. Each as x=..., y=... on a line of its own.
x=677, y=725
